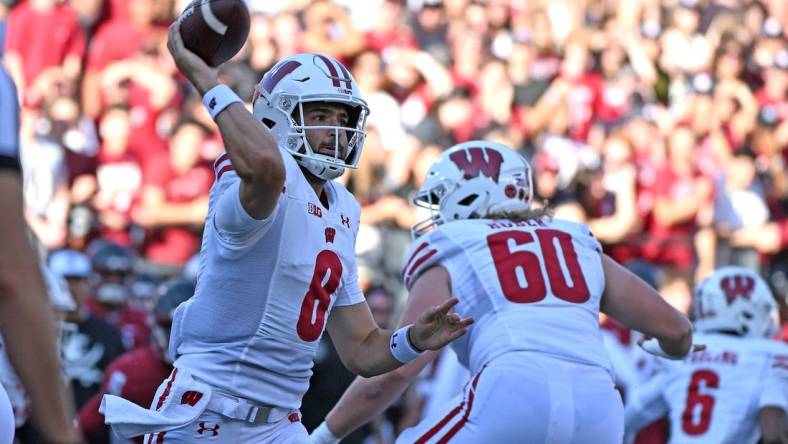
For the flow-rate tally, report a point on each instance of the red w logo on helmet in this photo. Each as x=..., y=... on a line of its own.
x=490, y=167
x=737, y=286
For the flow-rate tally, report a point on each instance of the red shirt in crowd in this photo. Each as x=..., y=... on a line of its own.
x=114, y=40
x=672, y=244
x=174, y=245
x=379, y=41
x=119, y=179
x=43, y=38
x=613, y=102
x=778, y=104
x=584, y=103
x=144, y=138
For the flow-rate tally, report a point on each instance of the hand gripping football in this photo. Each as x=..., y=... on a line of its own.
x=215, y=30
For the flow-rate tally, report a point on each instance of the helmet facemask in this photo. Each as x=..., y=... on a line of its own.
x=328, y=166
x=430, y=198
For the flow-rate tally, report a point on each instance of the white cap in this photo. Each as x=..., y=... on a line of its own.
x=70, y=263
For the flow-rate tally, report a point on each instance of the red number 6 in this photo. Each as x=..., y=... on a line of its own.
x=696, y=399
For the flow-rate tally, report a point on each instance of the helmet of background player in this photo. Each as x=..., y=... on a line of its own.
x=279, y=104
x=143, y=290
x=61, y=300
x=472, y=180
x=173, y=293
x=113, y=266
x=735, y=299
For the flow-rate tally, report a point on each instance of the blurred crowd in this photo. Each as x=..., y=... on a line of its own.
x=663, y=124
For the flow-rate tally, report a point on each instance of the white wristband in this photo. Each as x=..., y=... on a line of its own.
x=218, y=98
x=323, y=435
x=401, y=347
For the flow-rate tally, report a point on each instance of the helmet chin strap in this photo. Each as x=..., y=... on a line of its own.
x=320, y=169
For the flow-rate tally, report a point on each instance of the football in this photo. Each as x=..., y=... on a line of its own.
x=215, y=30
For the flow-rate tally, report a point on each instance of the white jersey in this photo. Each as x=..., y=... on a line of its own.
x=715, y=395
x=9, y=380
x=265, y=288
x=531, y=286
x=9, y=122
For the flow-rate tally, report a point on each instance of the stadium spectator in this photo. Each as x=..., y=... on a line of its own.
x=94, y=343
x=43, y=35
x=174, y=197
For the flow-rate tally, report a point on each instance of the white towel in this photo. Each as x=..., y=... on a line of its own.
x=177, y=407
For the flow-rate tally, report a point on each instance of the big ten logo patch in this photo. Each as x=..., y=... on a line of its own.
x=314, y=210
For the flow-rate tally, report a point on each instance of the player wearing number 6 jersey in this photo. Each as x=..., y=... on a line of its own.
x=735, y=391
x=277, y=265
x=535, y=286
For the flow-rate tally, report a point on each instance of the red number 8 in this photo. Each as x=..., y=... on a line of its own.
x=318, y=298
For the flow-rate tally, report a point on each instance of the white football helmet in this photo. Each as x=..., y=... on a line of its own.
x=472, y=180
x=735, y=299
x=302, y=78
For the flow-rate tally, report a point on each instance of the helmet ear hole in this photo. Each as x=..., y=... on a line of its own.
x=468, y=200
x=268, y=122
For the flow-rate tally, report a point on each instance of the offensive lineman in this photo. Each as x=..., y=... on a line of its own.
x=736, y=391
x=535, y=285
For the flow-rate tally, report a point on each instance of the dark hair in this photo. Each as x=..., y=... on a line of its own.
x=745, y=152
x=459, y=92
x=187, y=122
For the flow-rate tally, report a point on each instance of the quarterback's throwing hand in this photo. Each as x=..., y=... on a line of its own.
x=438, y=326
x=202, y=76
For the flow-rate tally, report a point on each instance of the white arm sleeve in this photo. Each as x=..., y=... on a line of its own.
x=774, y=390
x=646, y=405
x=235, y=228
